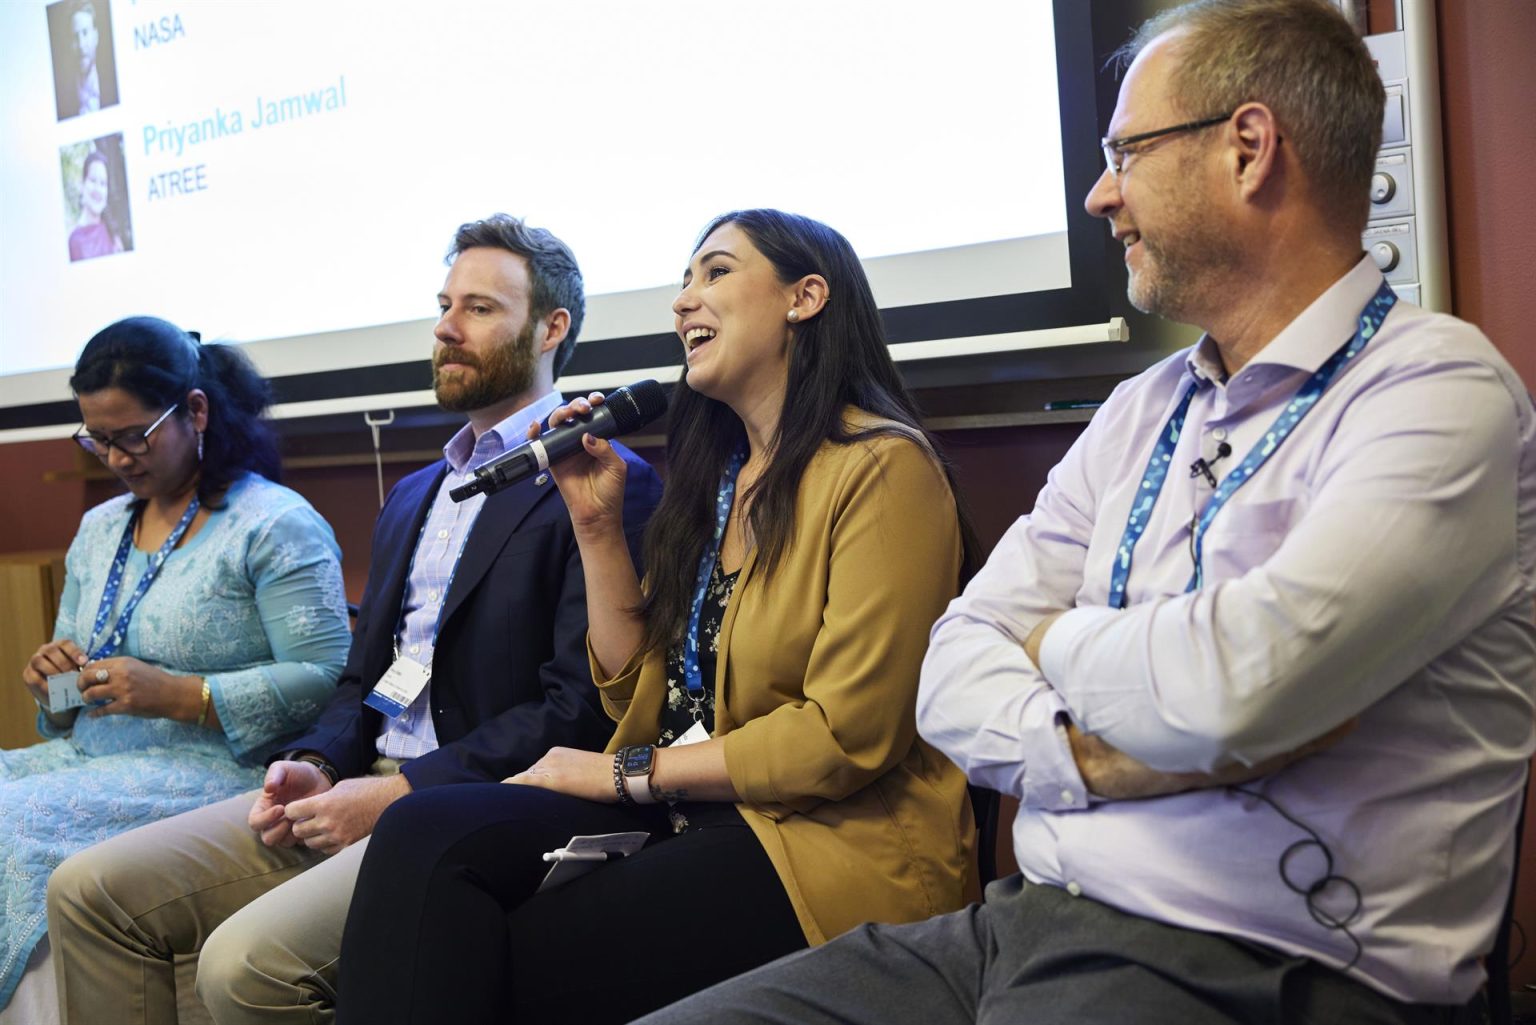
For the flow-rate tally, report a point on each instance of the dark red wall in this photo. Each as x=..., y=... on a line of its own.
x=1488, y=77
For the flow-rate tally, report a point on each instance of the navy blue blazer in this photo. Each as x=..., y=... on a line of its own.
x=510, y=677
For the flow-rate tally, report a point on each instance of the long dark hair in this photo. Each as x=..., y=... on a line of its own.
x=158, y=364
x=838, y=359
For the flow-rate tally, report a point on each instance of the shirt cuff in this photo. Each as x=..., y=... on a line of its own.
x=1052, y=782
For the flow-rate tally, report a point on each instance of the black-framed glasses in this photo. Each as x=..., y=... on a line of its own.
x=132, y=442
x=1115, y=150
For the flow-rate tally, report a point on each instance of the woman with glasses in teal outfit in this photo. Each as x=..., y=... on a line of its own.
x=203, y=622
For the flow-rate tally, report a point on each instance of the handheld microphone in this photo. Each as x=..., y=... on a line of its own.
x=623, y=410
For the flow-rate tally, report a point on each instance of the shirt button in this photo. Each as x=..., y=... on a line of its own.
x=1074, y=889
x=1066, y=797
x=443, y=534
x=1220, y=434
x=432, y=595
x=415, y=648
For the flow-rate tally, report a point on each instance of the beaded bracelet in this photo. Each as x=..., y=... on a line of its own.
x=618, y=779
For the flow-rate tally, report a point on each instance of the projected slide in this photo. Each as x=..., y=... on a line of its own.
x=271, y=169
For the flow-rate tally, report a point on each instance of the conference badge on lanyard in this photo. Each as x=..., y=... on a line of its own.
x=405, y=679
x=398, y=687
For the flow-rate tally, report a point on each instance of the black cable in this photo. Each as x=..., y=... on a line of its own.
x=1311, y=892
x=1514, y=923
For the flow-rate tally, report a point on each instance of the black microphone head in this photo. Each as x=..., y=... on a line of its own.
x=636, y=405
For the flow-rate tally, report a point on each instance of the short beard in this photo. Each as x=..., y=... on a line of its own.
x=505, y=371
x=1186, y=265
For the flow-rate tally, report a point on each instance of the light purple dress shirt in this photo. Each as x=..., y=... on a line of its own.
x=412, y=734
x=1379, y=566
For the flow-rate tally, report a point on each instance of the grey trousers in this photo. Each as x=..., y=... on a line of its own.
x=1033, y=955
x=267, y=922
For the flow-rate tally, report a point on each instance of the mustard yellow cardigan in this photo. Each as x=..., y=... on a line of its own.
x=816, y=681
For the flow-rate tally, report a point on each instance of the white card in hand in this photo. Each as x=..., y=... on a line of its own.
x=64, y=692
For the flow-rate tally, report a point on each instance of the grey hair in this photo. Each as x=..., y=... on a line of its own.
x=1302, y=60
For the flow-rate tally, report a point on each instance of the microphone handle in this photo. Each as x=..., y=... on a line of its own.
x=520, y=462
x=536, y=454
x=492, y=476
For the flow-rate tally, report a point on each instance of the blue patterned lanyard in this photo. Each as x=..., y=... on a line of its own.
x=726, y=495
x=114, y=641
x=1162, y=456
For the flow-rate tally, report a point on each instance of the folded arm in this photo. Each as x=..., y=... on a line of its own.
x=1403, y=519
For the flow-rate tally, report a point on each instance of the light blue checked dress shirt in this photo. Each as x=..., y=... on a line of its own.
x=412, y=734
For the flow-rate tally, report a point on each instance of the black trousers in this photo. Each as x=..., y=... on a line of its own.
x=445, y=924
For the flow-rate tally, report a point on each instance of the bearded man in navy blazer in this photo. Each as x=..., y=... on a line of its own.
x=471, y=633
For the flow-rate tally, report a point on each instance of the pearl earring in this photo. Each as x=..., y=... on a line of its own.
x=793, y=316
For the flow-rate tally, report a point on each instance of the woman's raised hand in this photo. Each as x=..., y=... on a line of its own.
x=592, y=481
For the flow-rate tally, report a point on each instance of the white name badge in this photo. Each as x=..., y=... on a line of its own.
x=696, y=734
x=398, y=687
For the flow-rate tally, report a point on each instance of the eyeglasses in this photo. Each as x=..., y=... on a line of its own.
x=1115, y=150
x=132, y=442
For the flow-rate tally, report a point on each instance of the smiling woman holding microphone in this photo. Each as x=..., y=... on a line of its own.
x=763, y=677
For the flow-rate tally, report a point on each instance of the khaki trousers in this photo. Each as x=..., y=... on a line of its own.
x=266, y=921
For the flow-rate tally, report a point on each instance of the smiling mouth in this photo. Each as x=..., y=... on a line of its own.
x=697, y=337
